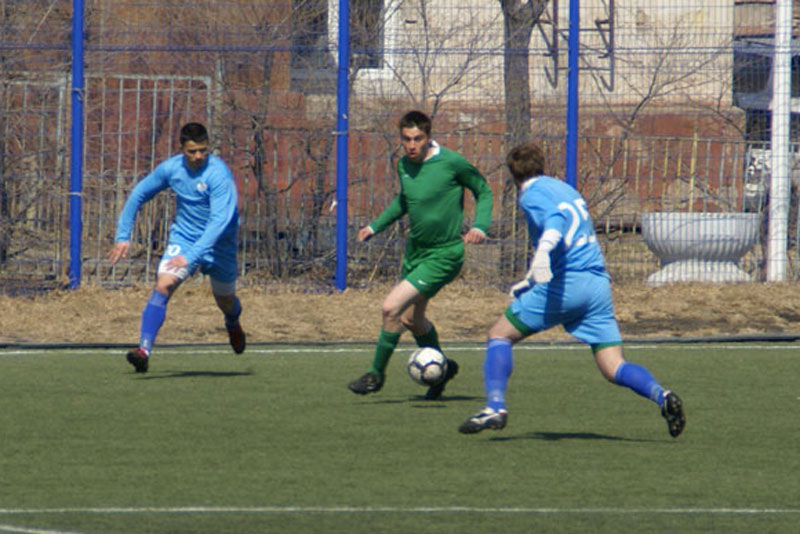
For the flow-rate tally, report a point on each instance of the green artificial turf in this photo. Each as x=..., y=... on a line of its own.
x=272, y=441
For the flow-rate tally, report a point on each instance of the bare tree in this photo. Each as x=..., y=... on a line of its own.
x=31, y=145
x=519, y=20
x=423, y=76
x=668, y=74
x=439, y=70
x=270, y=131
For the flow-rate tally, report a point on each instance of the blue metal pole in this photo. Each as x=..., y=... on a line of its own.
x=76, y=149
x=572, y=92
x=342, y=107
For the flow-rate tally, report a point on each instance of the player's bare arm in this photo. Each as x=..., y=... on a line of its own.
x=118, y=251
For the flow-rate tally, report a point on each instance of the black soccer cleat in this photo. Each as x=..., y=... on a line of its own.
x=236, y=337
x=367, y=383
x=672, y=411
x=486, y=418
x=139, y=359
x=434, y=392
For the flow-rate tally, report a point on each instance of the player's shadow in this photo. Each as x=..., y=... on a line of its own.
x=384, y=401
x=444, y=398
x=558, y=436
x=196, y=374
x=420, y=401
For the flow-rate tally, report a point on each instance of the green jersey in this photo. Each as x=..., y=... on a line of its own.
x=432, y=194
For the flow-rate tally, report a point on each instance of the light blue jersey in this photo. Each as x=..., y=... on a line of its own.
x=552, y=204
x=205, y=228
x=579, y=294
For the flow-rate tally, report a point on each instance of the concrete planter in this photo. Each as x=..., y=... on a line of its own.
x=699, y=247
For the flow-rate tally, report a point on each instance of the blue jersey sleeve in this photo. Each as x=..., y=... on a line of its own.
x=150, y=186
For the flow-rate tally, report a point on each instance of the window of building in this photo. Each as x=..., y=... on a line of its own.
x=314, y=41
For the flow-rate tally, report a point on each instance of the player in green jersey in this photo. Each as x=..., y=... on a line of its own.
x=432, y=182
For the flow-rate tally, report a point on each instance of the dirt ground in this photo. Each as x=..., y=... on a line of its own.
x=102, y=316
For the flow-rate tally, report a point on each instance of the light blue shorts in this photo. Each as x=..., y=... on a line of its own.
x=581, y=301
x=220, y=264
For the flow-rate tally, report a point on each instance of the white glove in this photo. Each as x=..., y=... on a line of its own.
x=519, y=287
x=539, y=273
x=540, y=267
x=540, y=270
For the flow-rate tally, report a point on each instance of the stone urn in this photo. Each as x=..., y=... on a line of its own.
x=700, y=247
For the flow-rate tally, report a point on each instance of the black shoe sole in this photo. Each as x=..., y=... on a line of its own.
x=239, y=350
x=359, y=389
x=139, y=363
x=434, y=392
x=673, y=413
x=468, y=427
x=363, y=391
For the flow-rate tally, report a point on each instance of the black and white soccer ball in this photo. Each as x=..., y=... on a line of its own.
x=427, y=366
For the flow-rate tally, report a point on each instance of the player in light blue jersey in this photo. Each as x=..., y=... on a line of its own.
x=567, y=284
x=203, y=234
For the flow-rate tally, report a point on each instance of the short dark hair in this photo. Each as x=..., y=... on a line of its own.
x=194, y=131
x=418, y=119
x=525, y=161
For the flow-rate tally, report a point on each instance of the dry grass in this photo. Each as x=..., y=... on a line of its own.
x=461, y=313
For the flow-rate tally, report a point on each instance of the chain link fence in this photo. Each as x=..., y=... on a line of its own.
x=672, y=119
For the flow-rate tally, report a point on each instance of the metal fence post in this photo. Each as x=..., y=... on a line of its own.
x=76, y=150
x=342, y=104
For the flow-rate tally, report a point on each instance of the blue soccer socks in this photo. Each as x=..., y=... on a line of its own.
x=640, y=380
x=497, y=369
x=232, y=318
x=152, y=318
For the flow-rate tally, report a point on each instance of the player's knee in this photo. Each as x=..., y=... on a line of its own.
x=390, y=313
x=503, y=332
x=608, y=358
x=166, y=287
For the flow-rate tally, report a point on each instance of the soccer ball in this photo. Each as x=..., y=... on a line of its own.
x=427, y=366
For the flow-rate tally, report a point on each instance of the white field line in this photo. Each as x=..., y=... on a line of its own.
x=12, y=529
x=388, y=510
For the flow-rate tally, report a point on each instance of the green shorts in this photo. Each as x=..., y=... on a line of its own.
x=430, y=269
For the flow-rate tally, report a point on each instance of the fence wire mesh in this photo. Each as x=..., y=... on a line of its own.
x=674, y=117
